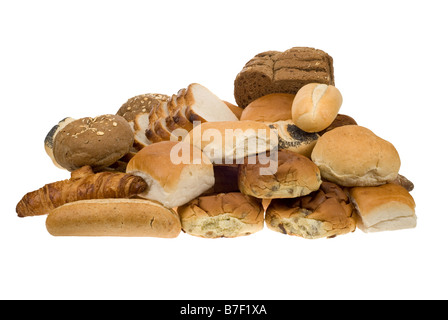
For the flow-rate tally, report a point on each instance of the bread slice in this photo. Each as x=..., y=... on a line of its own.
x=141, y=124
x=204, y=106
x=179, y=118
x=156, y=113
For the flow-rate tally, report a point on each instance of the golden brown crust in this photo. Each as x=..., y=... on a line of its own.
x=83, y=185
x=295, y=175
x=230, y=214
x=324, y=213
x=368, y=198
x=142, y=103
x=354, y=156
x=269, y=108
x=114, y=217
x=316, y=106
x=155, y=161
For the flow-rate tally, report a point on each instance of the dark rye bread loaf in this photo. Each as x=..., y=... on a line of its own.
x=282, y=72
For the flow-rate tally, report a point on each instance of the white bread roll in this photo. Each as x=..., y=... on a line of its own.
x=230, y=141
x=315, y=106
x=353, y=156
x=114, y=217
x=384, y=208
x=226, y=215
x=292, y=138
x=175, y=172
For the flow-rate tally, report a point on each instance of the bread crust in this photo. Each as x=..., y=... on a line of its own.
x=222, y=215
x=97, y=142
x=282, y=72
x=269, y=108
x=295, y=176
x=354, y=156
x=327, y=212
x=316, y=106
x=114, y=217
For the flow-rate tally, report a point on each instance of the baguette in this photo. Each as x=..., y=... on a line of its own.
x=114, y=217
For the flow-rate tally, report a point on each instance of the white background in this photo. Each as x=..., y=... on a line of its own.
x=86, y=58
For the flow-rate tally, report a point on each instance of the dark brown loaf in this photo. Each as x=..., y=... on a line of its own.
x=282, y=72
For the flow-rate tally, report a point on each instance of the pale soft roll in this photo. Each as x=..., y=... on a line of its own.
x=315, y=106
x=175, y=172
x=230, y=141
x=114, y=217
x=354, y=156
x=384, y=208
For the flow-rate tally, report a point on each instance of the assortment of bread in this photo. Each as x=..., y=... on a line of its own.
x=282, y=156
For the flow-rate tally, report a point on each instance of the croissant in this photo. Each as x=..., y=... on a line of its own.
x=84, y=184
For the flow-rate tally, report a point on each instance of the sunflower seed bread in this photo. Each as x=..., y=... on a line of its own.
x=282, y=72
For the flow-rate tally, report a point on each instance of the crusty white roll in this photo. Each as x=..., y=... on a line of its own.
x=175, y=172
x=384, y=208
x=354, y=156
x=288, y=175
x=315, y=106
x=226, y=142
x=327, y=212
x=226, y=215
x=114, y=217
x=269, y=108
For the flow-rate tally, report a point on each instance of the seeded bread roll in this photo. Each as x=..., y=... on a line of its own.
x=225, y=215
x=95, y=142
x=327, y=212
x=142, y=103
x=282, y=72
